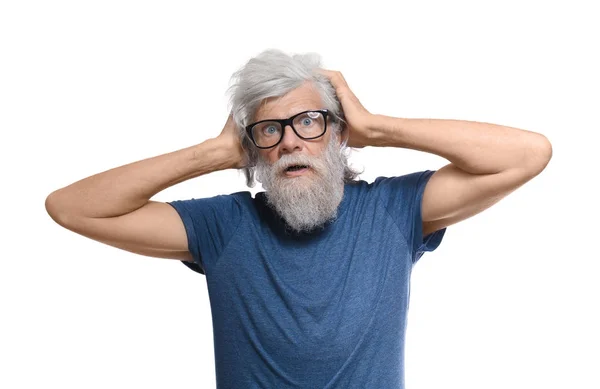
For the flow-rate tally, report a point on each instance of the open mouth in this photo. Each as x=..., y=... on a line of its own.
x=294, y=168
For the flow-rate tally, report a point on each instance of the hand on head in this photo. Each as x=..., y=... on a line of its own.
x=231, y=140
x=358, y=119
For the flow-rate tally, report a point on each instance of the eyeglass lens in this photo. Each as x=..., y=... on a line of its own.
x=308, y=125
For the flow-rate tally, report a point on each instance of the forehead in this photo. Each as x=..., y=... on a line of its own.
x=300, y=99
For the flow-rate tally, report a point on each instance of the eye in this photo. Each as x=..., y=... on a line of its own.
x=270, y=130
x=306, y=122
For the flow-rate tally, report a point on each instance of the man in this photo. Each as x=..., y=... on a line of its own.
x=309, y=280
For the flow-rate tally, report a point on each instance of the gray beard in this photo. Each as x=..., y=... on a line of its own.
x=308, y=201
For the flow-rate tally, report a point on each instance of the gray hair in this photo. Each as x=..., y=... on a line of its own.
x=274, y=73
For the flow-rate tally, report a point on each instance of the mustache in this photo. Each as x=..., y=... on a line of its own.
x=288, y=160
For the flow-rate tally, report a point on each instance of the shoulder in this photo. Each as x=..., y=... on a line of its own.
x=404, y=181
x=240, y=198
x=223, y=207
x=400, y=193
x=243, y=198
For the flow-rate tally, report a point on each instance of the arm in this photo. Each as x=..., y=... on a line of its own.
x=114, y=206
x=488, y=161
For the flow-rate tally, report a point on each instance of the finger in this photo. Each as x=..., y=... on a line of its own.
x=336, y=77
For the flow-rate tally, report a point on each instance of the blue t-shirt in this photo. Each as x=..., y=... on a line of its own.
x=321, y=310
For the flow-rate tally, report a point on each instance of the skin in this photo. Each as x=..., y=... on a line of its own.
x=305, y=199
x=300, y=99
x=487, y=161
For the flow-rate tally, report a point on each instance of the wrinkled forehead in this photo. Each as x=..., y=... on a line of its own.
x=303, y=98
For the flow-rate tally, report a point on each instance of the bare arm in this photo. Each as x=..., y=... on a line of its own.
x=487, y=161
x=114, y=206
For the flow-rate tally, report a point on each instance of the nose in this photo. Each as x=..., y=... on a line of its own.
x=290, y=142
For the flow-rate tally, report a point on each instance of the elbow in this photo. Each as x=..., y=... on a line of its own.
x=540, y=154
x=545, y=149
x=50, y=203
x=53, y=209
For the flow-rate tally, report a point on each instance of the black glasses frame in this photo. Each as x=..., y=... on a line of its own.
x=284, y=123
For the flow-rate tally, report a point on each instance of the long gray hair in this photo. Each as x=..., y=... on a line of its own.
x=274, y=73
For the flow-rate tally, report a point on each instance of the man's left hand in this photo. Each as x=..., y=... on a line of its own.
x=359, y=121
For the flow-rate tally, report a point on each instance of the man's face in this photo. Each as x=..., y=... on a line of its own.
x=300, y=99
x=308, y=198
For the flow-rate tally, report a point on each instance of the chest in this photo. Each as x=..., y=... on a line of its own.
x=315, y=298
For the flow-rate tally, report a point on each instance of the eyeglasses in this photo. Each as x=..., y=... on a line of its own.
x=307, y=125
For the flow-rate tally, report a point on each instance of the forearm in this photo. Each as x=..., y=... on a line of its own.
x=126, y=188
x=475, y=147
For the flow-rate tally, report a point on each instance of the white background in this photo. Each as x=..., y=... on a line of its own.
x=510, y=299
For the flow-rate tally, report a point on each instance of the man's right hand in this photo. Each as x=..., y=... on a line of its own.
x=231, y=139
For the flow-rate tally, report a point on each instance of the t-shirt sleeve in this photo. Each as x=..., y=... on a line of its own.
x=403, y=196
x=209, y=224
